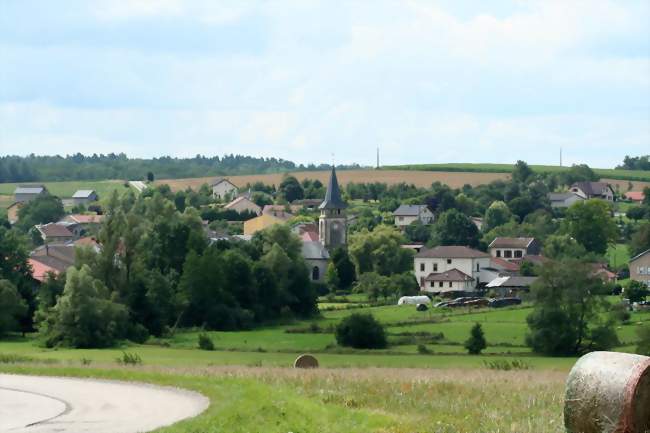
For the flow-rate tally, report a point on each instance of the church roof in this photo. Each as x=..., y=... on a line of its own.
x=333, y=198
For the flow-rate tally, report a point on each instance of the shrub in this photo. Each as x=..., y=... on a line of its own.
x=620, y=313
x=507, y=365
x=205, y=342
x=361, y=331
x=476, y=341
x=424, y=350
x=129, y=359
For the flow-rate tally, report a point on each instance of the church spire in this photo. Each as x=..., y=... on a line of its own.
x=333, y=198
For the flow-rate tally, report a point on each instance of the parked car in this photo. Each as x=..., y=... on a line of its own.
x=504, y=302
x=441, y=304
x=481, y=302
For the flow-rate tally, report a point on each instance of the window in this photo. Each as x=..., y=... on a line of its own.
x=498, y=253
x=449, y=261
x=435, y=267
x=315, y=273
x=421, y=267
x=401, y=218
x=477, y=267
x=430, y=283
x=450, y=284
x=518, y=254
x=338, y=211
x=507, y=254
x=641, y=270
x=440, y=284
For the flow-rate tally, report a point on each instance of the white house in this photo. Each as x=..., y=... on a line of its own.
x=222, y=187
x=450, y=268
x=409, y=213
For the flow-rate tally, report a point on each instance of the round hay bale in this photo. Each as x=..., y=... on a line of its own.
x=305, y=361
x=608, y=392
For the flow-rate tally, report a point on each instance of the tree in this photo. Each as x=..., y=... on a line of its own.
x=290, y=189
x=85, y=316
x=344, y=268
x=454, y=228
x=497, y=214
x=332, y=277
x=640, y=240
x=476, y=341
x=150, y=176
x=522, y=172
x=418, y=232
x=643, y=344
x=379, y=251
x=646, y=196
x=12, y=307
x=591, y=224
x=372, y=284
x=361, y=331
x=559, y=247
x=17, y=271
x=42, y=210
x=567, y=318
x=636, y=291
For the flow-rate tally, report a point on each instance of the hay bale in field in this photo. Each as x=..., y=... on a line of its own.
x=608, y=392
x=305, y=361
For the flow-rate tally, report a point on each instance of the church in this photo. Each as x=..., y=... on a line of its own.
x=332, y=231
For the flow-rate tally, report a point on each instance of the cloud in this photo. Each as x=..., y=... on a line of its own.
x=425, y=80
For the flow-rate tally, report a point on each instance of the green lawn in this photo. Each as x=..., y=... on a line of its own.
x=618, y=255
x=65, y=189
x=639, y=175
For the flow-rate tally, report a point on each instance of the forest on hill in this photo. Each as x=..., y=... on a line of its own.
x=34, y=168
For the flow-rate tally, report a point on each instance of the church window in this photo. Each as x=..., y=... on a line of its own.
x=315, y=273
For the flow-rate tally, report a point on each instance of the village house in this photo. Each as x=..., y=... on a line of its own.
x=563, y=199
x=589, y=190
x=25, y=193
x=262, y=222
x=54, y=233
x=635, y=196
x=223, y=188
x=640, y=268
x=84, y=196
x=450, y=268
x=478, y=222
x=409, y=213
x=53, y=259
x=81, y=224
x=514, y=248
x=242, y=204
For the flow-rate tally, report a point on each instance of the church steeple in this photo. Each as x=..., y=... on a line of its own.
x=332, y=224
x=333, y=198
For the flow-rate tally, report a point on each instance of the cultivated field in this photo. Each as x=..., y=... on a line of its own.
x=419, y=178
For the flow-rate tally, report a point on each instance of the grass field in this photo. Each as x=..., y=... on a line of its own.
x=608, y=173
x=273, y=400
x=397, y=390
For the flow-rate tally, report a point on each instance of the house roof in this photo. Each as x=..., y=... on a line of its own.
x=278, y=211
x=333, y=198
x=506, y=242
x=512, y=281
x=309, y=236
x=450, y=275
x=64, y=252
x=41, y=270
x=638, y=256
x=218, y=180
x=240, y=199
x=29, y=189
x=409, y=210
x=54, y=230
x=635, y=195
x=87, y=241
x=561, y=196
x=451, y=252
x=83, y=193
x=506, y=265
x=591, y=188
x=314, y=250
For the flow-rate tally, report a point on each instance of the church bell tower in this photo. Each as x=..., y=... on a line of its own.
x=332, y=224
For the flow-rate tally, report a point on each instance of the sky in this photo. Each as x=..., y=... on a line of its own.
x=426, y=81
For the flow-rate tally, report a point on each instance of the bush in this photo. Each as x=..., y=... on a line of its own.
x=620, y=313
x=476, y=341
x=361, y=331
x=129, y=359
x=205, y=342
x=424, y=350
x=138, y=334
x=506, y=365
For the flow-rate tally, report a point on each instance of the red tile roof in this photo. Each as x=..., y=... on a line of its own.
x=451, y=275
x=309, y=236
x=40, y=270
x=504, y=264
x=55, y=230
x=635, y=195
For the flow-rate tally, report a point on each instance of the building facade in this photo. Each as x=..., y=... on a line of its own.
x=640, y=268
x=463, y=266
x=514, y=248
x=407, y=214
x=222, y=188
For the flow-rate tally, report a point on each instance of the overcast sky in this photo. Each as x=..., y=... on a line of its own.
x=426, y=81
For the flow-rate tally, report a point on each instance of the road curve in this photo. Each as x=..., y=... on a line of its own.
x=33, y=404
